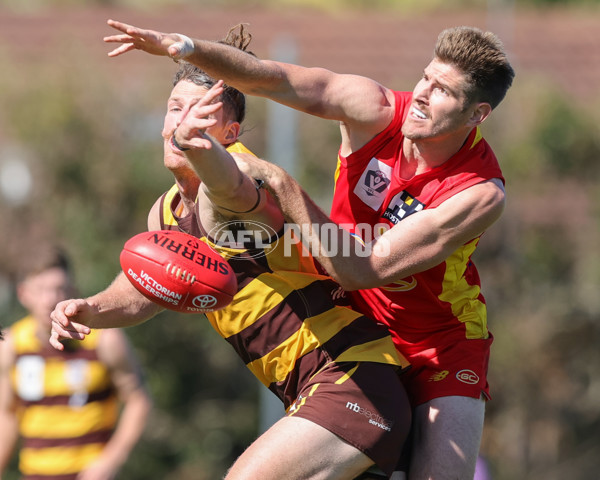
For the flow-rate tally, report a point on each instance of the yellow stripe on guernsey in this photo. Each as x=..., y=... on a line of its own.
x=272, y=289
x=294, y=269
x=374, y=351
x=57, y=461
x=315, y=331
x=478, y=137
x=238, y=147
x=56, y=377
x=168, y=218
x=467, y=307
x=336, y=175
x=41, y=421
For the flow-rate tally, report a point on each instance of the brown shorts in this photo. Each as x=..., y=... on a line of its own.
x=363, y=403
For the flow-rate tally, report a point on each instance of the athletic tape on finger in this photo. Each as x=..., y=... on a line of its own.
x=185, y=47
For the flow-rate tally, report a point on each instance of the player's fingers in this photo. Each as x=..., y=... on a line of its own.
x=193, y=128
x=73, y=330
x=55, y=342
x=123, y=27
x=214, y=92
x=200, y=110
x=121, y=50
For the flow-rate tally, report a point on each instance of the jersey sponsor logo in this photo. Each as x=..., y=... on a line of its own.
x=468, y=376
x=374, y=183
x=204, y=301
x=401, y=285
x=401, y=206
x=374, y=418
x=439, y=376
x=338, y=294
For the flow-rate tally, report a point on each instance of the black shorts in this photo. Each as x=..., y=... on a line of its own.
x=364, y=403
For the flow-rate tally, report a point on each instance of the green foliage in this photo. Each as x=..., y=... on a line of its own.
x=569, y=139
x=204, y=399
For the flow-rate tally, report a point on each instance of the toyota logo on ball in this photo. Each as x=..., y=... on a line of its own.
x=204, y=301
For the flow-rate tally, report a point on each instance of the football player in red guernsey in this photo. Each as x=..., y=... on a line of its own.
x=414, y=168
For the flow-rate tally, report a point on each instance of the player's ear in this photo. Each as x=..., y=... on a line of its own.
x=480, y=112
x=232, y=132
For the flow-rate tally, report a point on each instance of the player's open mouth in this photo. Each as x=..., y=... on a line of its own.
x=418, y=113
x=174, y=149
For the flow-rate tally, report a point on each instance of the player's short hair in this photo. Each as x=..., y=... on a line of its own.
x=234, y=101
x=481, y=56
x=40, y=259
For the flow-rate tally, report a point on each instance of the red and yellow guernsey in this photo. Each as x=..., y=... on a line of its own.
x=444, y=303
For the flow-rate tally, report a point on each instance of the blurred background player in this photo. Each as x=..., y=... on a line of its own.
x=64, y=405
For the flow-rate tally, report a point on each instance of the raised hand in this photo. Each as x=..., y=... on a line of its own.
x=174, y=45
x=197, y=117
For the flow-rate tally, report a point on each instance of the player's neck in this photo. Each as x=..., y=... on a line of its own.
x=420, y=156
x=188, y=186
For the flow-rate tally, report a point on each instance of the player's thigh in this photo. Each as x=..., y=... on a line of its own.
x=296, y=448
x=447, y=436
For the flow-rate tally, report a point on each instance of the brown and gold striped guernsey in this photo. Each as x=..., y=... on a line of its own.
x=287, y=320
x=67, y=407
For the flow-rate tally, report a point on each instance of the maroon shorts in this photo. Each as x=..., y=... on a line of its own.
x=363, y=403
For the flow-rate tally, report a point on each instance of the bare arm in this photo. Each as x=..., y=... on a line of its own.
x=119, y=305
x=115, y=352
x=8, y=418
x=362, y=105
x=417, y=243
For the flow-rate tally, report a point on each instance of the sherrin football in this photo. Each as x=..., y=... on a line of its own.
x=178, y=271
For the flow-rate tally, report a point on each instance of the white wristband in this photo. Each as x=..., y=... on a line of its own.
x=185, y=47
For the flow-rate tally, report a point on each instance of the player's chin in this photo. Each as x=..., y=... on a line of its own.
x=412, y=132
x=175, y=159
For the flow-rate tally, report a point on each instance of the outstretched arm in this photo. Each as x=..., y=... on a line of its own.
x=363, y=106
x=119, y=305
x=417, y=243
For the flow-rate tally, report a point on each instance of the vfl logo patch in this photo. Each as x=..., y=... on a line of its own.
x=374, y=183
x=401, y=206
